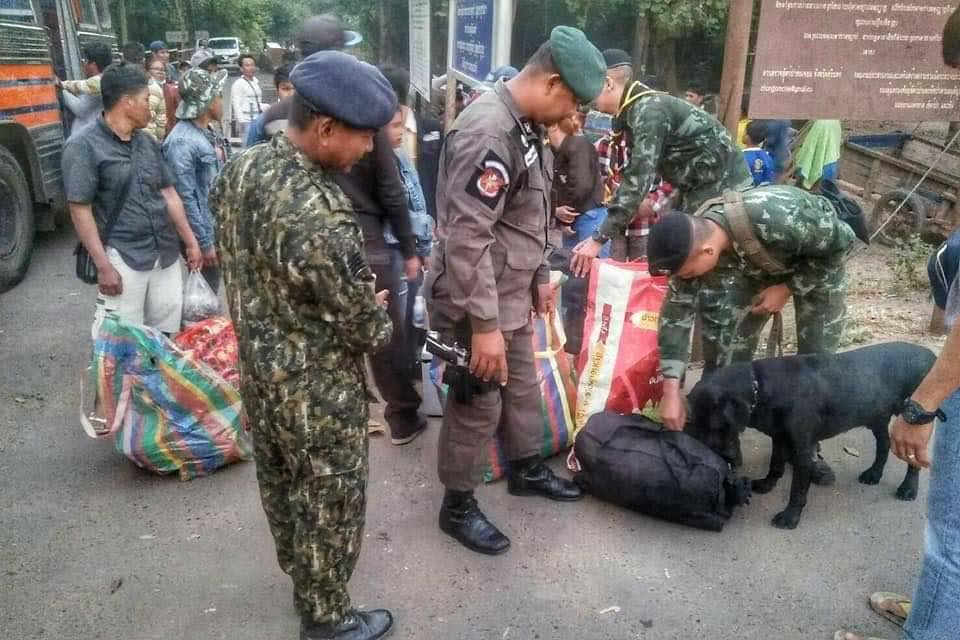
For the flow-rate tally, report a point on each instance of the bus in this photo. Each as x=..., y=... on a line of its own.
x=39, y=41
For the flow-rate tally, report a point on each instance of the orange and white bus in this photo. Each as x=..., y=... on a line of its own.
x=39, y=40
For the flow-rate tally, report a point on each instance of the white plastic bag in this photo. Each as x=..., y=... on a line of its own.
x=199, y=300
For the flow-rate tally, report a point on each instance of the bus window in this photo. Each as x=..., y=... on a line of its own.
x=85, y=12
x=16, y=11
x=103, y=13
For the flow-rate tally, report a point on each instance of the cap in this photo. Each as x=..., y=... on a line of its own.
x=505, y=72
x=197, y=91
x=670, y=243
x=325, y=32
x=201, y=57
x=340, y=86
x=617, y=58
x=579, y=63
x=156, y=45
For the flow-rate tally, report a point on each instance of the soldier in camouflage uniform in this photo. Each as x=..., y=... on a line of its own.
x=301, y=296
x=668, y=136
x=799, y=230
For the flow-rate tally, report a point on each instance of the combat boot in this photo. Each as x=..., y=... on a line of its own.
x=461, y=518
x=532, y=477
x=356, y=625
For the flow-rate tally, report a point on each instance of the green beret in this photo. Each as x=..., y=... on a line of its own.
x=579, y=63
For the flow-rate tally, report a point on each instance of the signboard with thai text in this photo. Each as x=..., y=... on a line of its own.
x=858, y=61
x=420, y=46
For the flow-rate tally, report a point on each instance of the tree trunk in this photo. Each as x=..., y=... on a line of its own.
x=382, y=45
x=122, y=10
x=665, y=63
x=641, y=46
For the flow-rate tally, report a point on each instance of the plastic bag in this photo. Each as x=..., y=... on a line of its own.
x=199, y=300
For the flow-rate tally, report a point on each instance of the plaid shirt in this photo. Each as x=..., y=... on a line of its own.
x=614, y=155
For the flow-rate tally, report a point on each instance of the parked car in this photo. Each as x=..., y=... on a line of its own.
x=227, y=51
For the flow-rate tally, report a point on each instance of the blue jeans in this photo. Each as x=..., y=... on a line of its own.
x=584, y=225
x=936, y=601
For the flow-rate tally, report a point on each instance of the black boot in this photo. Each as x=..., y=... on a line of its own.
x=532, y=477
x=461, y=518
x=356, y=625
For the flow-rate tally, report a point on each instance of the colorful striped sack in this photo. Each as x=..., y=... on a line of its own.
x=168, y=412
x=558, y=391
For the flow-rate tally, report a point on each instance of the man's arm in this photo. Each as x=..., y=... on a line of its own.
x=676, y=324
x=392, y=194
x=909, y=442
x=650, y=126
x=178, y=216
x=182, y=160
x=328, y=265
x=86, y=87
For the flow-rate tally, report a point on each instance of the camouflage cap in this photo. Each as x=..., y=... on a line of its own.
x=579, y=63
x=197, y=91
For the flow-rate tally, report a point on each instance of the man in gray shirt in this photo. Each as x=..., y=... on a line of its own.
x=113, y=170
x=82, y=97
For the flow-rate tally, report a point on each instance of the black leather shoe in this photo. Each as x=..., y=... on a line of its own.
x=822, y=475
x=467, y=524
x=356, y=625
x=540, y=480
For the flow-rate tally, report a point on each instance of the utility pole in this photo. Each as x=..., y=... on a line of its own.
x=735, y=51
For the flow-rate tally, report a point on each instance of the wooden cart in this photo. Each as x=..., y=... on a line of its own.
x=883, y=168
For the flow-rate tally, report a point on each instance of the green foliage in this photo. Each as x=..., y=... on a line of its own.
x=908, y=260
x=854, y=334
x=670, y=18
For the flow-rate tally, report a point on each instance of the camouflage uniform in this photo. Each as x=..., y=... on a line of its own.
x=688, y=147
x=802, y=232
x=300, y=295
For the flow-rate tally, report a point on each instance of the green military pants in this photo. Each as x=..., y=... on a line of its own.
x=312, y=467
x=731, y=332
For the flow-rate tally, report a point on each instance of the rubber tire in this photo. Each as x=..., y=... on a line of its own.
x=914, y=207
x=16, y=221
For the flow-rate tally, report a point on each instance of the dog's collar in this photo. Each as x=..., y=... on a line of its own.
x=755, y=387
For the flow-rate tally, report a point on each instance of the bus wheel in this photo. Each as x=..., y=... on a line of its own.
x=16, y=222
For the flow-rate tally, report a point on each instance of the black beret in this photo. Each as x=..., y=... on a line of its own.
x=617, y=58
x=669, y=243
x=340, y=86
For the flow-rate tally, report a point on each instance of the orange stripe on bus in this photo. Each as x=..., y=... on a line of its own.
x=26, y=96
x=22, y=71
x=38, y=119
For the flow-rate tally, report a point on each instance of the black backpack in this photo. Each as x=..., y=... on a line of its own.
x=847, y=208
x=636, y=463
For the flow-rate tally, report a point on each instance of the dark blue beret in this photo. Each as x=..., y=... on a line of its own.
x=670, y=243
x=340, y=86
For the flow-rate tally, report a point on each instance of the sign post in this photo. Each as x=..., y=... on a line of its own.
x=420, y=47
x=853, y=61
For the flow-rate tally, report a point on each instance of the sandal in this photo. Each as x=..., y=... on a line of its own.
x=844, y=634
x=892, y=606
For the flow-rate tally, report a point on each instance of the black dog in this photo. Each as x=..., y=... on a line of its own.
x=801, y=400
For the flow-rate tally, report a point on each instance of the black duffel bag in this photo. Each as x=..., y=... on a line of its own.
x=636, y=463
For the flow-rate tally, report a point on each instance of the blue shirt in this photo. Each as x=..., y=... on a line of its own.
x=421, y=224
x=191, y=152
x=760, y=164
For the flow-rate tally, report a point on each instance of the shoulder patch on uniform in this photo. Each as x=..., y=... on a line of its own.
x=489, y=181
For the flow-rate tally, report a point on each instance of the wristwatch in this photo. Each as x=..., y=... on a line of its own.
x=599, y=236
x=913, y=413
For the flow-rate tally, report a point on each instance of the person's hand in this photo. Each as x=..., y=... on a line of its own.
x=583, y=256
x=427, y=263
x=566, y=214
x=194, y=256
x=771, y=300
x=546, y=296
x=412, y=268
x=567, y=230
x=58, y=82
x=488, y=356
x=645, y=212
x=210, y=258
x=909, y=442
x=382, y=297
x=673, y=407
x=109, y=281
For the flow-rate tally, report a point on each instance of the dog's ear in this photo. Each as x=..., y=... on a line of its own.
x=736, y=412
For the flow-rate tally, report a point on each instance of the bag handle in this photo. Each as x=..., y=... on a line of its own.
x=124, y=195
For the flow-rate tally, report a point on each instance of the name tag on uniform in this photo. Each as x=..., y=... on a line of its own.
x=531, y=156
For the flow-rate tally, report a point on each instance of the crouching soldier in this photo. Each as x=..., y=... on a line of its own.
x=750, y=251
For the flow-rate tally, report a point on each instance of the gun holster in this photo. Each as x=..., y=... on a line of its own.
x=456, y=375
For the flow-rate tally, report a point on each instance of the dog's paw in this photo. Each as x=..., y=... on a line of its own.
x=907, y=494
x=786, y=519
x=763, y=486
x=870, y=476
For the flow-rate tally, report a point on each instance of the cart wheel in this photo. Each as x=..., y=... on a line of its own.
x=908, y=221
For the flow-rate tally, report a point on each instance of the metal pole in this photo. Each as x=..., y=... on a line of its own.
x=502, y=32
x=735, y=51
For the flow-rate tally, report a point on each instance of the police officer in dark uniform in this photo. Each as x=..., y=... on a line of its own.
x=490, y=272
